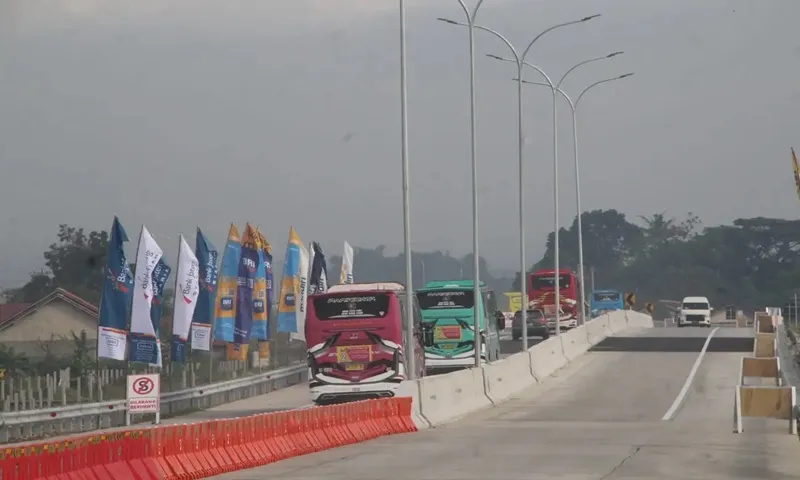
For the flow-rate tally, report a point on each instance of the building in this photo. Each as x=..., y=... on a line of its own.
x=47, y=325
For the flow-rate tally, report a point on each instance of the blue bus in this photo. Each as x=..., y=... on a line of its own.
x=605, y=300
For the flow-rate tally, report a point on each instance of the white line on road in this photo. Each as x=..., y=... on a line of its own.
x=682, y=395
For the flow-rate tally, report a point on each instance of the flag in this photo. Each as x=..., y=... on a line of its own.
x=203, y=316
x=318, y=278
x=160, y=276
x=260, y=330
x=115, y=300
x=796, y=173
x=291, y=306
x=346, y=275
x=245, y=284
x=187, y=289
x=144, y=341
x=225, y=304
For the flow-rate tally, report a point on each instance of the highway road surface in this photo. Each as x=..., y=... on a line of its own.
x=611, y=414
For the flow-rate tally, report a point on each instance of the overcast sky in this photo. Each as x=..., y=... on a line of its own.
x=177, y=113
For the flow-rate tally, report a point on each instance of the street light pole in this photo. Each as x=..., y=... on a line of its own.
x=573, y=108
x=578, y=188
x=476, y=291
x=409, y=299
x=519, y=60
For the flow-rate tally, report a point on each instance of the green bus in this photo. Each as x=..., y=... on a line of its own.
x=448, y=309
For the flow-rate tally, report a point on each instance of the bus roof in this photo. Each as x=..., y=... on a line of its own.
x=442, y=284
x=562, y=271
x=367, y=287
x=605, y=290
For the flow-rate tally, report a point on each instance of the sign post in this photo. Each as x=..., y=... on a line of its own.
x=144, y=396
x=630, y=300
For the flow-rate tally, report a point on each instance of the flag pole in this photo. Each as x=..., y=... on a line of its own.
x=172, y=323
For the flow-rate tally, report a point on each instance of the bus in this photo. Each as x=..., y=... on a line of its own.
x=606, y=300
x=541, y=288
x=448, y=311
x=356, y=337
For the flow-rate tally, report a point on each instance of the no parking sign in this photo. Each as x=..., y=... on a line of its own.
x=144, y=392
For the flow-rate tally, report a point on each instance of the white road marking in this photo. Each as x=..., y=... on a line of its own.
x=682, y=395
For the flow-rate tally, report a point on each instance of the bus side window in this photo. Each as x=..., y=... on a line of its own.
x=417, y=315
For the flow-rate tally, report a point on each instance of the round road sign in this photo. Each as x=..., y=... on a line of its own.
x=143, y=386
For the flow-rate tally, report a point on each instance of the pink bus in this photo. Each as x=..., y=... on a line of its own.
x=355, y=336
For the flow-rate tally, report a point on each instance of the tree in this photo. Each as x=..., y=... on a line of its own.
x=609, y=242
x=82, y=361
x=75, y=263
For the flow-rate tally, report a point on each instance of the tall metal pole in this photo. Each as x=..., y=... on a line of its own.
x=476, y=291
x=410, y=348
x=579, y=219
x=557, y=274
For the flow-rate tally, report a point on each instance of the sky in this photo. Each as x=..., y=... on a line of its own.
x=179, y=113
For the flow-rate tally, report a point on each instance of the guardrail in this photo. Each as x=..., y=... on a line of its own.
x=35, y=424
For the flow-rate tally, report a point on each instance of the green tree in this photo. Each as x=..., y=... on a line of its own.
x=74, y=262
x=82, y=356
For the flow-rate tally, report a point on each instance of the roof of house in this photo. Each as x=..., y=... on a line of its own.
x=19, y=310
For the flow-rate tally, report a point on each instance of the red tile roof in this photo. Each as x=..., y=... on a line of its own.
x=13, y=311
x=8, y=310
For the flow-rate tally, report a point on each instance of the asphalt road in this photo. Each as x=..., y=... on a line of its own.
x=599, y=418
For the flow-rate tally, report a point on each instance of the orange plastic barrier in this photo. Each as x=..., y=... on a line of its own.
x=200, y=450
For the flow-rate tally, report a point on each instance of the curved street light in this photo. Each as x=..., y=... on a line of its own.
x=470, y=16
x=574, y=108
x=519, y=60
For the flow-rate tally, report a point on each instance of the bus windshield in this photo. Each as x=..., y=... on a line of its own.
x=351, y=306
x=547, y=282
x=606, y=297
x=446, y=299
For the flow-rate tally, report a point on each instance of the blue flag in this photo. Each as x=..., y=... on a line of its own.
x=203, y=316
x=245, y=284
x=115, y=301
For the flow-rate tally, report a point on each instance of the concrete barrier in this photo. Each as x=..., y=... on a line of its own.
x=445, y=398
x=597, y=329
x=574, y=343
x=764, y=402
x=508, y=376
x=618, y=320
x=753, y=367
x=410, y=388
x=638, y=319
x=546, y=358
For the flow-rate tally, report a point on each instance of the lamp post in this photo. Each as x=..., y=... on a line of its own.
x=519, y=60
x=476, y=291
x=578, y=186
x=573, y=108
x=409, y=299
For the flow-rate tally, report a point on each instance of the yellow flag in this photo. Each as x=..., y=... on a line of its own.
x=796, y=167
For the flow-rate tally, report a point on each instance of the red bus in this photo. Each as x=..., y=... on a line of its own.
x=355, y=336
x=542, y=293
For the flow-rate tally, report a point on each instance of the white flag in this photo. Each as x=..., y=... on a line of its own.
x=147, y=256
x=302, y=295
x=346, y=276
x=187, y=288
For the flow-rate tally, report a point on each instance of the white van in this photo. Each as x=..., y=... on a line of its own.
x=695, y=311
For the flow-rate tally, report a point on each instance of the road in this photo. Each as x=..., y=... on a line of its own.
x=599, y=418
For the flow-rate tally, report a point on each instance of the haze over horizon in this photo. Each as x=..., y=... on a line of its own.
x=196, y=112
